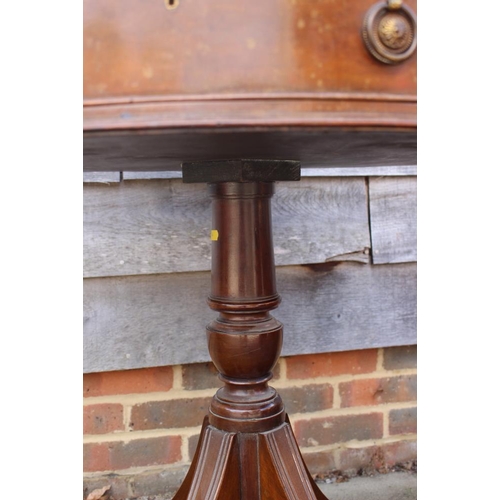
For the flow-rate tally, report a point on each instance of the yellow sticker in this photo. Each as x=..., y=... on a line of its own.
x=214, y=235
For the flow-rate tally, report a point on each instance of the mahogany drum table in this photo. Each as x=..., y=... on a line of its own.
x=240, y=95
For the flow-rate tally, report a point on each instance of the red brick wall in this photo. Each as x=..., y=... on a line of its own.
x=348, y=410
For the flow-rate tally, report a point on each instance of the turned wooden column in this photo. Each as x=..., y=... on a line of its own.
x=245, y=341
x=247, y=449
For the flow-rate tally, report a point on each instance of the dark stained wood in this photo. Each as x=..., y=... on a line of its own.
x=309, y=110
x=166, y=149
x=162, y=71
x=245, y=340
x=281, y=80
x=288, y=476
x=250, y=481
x=248, y=466
x=214, y=473
x=240, y=171
x=247, y=439
x=231, y=64
x=137, y=50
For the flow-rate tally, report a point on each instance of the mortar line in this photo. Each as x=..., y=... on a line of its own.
x=385, y=423
x=336, y=448
x=175, y=393
x=127, y=415
x=133, y=471
x=355, y=444
x=353, y=410
x=126, y=437
x=336, y=457
x=337, y=402
x=185, y=449
x=346, y=378
x=380, y=360
x=177, y=379
x=130, y=435
x=146, y=397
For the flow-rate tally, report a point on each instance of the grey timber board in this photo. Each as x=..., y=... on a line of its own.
x=127, y=176
x=146, y=227
x=360, y=171
x=105, y=177
x=153, y=320
x=393, y=217
x=306, y=172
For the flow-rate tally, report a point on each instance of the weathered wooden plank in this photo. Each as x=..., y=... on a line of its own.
x=146, y=227
x=127, y=176
x=141, y=321
x=360, y=171
x=306, y=172
x=105, y=177
x=393, y=217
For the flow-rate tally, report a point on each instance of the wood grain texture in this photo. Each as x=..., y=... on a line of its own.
x=235, y=64
x=141, y=321
x=163, y=226
x=393, y=218
x=103, y=177
x=137, y=48
x=255, y=112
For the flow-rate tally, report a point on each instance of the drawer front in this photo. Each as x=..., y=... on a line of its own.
x=144, y=50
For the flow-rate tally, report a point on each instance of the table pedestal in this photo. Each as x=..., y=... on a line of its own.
x=247, y=449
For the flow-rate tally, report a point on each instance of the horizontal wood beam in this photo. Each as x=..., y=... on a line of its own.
x=271, y=112
x=164, y=226
x=154, y=320
x=315, y=147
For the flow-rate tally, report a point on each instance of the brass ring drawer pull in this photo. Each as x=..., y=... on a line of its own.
x=390, y=31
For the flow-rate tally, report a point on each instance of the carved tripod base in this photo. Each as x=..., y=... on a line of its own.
x=248, y=466
x=247, y=450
